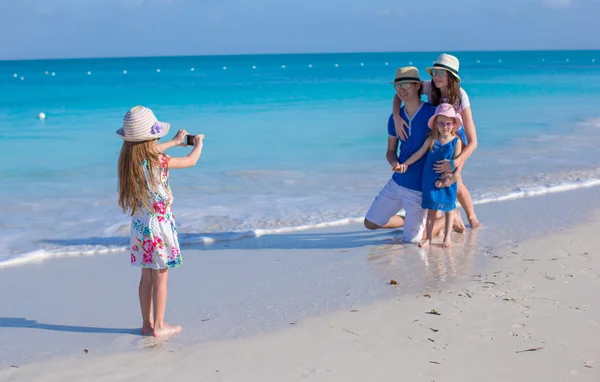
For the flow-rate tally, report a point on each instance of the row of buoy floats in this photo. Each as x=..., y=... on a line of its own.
x=362, y=64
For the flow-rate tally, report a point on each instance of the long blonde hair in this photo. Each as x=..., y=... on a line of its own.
x=435, y=132
x=133, y=188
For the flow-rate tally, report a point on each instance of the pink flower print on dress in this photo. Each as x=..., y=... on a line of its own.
x=147, y=258
x=135, y=248
x=160, y=208
x=148, y=247
x=174, y=254
x=158, y=243
x=132, y=258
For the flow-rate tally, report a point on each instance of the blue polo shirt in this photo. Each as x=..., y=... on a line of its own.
x=417, y=135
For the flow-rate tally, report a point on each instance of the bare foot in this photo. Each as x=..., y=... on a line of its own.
x=447, y=242
x=167, y=330
x=458, y=224
x=424, y=244
x=475, y=223
x=147, y=330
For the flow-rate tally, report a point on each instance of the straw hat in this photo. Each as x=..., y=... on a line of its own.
x=140, y=124
x=446, y=62
x=446, y=110
x=407, y=74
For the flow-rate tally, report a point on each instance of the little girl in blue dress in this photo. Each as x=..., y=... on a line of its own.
x=443, y=143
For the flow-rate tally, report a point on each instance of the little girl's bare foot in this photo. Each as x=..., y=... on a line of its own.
x=167, y=330
x=424, y=244
x=447, y=242
x=147, y=330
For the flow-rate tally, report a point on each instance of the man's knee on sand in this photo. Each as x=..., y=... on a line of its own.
x=371, y=225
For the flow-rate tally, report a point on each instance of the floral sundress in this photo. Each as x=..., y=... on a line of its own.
x=154, y=240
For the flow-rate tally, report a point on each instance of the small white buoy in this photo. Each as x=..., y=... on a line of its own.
x=46, y=72
x=336, y=65
x=543, y=60
x=53, y=74
x=593, y=60
x=386, y=64
x=22, y=78
x=310, y=65
x=89, y=73
x=410, y=63
x=500, y=60
x=478, y=61
x=282, y=66
x=362, y=64
x=157, y=70
x=15, y=75
x=124, y=71
x=42, y=116
x=253, y=66
x=192, y=69
x=567, y=60
x=224, y=68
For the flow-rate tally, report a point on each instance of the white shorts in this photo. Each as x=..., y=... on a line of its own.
x=391, y=199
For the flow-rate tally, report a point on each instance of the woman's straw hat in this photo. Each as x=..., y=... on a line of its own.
x=446, y=62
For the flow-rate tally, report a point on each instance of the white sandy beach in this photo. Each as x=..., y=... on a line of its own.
x=529, y=314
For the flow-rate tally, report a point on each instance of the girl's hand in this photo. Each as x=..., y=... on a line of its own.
x=179, y=138
x=198, y=140
x=401, y=127
x=444, y=166
x=402, y=168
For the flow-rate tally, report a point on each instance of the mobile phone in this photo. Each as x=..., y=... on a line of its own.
x=189, y=140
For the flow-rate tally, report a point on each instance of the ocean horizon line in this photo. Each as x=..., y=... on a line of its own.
x=296, y=54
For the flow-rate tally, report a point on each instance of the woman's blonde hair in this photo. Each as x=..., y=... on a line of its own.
x=435, y=133
x=133, y=188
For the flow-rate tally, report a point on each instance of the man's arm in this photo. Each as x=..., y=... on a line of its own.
x=392, y=151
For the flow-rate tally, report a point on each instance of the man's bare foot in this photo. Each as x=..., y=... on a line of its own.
x=147, y=330
x=424, y=244
x=475, y=223
x=167, y=330
x=458, y=224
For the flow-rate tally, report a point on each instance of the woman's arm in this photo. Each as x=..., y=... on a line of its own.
x=471, y=133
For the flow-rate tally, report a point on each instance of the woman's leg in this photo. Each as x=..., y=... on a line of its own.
x=464, y=198
x=160, y=278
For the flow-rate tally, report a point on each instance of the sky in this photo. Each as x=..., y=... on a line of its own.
x=36, y=29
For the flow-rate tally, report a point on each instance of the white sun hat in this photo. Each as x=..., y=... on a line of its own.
x=140, y=124
x=446, y=62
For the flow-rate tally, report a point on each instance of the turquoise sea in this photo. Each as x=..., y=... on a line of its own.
x=292, y=141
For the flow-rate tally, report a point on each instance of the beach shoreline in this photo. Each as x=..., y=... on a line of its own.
x=530, y=316
x=320, y=304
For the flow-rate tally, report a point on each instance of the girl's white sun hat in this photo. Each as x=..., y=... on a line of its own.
x=140, y=124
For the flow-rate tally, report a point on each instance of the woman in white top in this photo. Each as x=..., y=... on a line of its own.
x=445, y=88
